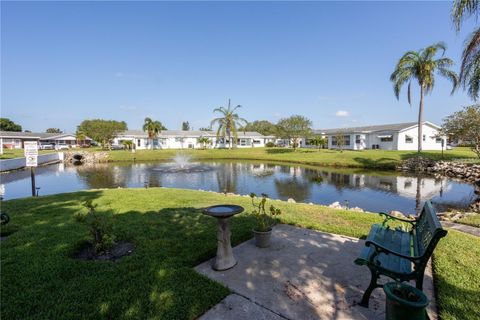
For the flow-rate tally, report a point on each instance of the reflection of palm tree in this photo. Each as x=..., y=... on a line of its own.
x=102, y=176
x=227, y=177
x=293, y=187
x=418, y=195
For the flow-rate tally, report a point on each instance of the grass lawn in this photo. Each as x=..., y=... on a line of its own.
x=40, y=280
x=473, y=221
x=373, y=159
x=18, y=153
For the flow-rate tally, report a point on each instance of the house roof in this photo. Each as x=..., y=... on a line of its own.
x=374, y=128
x=36, y=135
x=181, y=133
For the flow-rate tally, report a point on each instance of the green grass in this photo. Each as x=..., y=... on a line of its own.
x=372, y=159
x=473, y=220
x=40, y=280
x=18, y=153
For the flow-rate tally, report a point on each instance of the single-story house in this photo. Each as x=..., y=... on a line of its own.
x=15, y=140
x=178, y=139
x=398, y=136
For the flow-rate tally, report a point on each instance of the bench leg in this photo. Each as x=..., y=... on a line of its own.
x=371, y=287
x=419, y=282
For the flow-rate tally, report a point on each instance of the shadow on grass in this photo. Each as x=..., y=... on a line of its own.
x=381, y=163
x=156, y=281
x=436, y=155
x=279, y=150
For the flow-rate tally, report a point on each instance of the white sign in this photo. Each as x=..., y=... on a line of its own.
x=31, y=153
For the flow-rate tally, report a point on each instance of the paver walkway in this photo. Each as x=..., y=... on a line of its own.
x=305, y=274
x=462, y=227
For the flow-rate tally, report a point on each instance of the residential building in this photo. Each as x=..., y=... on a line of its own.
x=178, y=139
x=15, y=140
x=399, y=136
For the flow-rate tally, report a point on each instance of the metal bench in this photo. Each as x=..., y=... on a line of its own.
x=400, y=254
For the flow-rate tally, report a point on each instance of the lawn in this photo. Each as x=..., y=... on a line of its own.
x=40, y=280
x=372, y=159
x=18, y=153
x=473, y=220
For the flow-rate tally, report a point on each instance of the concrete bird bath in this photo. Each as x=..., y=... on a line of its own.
x=225, y=259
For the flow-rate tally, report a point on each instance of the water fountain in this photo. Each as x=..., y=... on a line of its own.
x=182, y=164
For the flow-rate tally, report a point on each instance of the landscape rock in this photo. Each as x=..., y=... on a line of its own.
x=291, y=200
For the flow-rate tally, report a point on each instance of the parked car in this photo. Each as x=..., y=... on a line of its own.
x=449, y=147
x=46, y=146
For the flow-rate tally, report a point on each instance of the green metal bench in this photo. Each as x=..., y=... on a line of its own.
x=400, y=254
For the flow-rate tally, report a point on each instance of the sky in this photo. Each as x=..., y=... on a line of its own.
x=64, y=62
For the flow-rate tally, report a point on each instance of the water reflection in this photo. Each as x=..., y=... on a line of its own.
x=371, y=190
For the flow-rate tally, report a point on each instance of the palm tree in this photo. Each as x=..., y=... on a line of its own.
x=318, y=141
x=470, y=68
x=204, y=141
x=421, y=66
x=227, y=124
x=152, y=128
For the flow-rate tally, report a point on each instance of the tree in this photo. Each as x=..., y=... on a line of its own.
x=465, y=125
x=339, y=140
x=205, y=129
x=101, y=131
x=204, y=141
x=152, y=128
x=228, y=122
x=185, y=126
x=422, y=66
x=294, y=128
x=470, y=68
x=8, y=125
x=261, y=126
x=53, y=130
x=318, y=141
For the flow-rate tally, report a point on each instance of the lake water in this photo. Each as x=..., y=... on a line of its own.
x=371, y=190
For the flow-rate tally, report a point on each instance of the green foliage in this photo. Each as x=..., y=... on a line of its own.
x=204, y=141
x=152, y=128
x=8, y=125
x=99, y=225
x=465, y=125
x=270, y=144
x=127, y=144
x=261, y=126
x=265, y=221
x=53, y=130
x=101, y=131
x=294, y=128
x=318, y=141
x=228, y=123
x=185, y=126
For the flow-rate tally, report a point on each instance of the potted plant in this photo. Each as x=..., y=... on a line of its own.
x=265, y=220
x=404, y=302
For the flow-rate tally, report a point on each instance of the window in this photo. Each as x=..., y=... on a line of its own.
x=256, y=141
x=423, y=138
x=178, y=139
x=139, y=142
x=438, y=140
x=357, y=139
x=408, y=139
x=386, y=139
x=346, y=140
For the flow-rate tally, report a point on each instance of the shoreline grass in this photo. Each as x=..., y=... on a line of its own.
x=171, y=236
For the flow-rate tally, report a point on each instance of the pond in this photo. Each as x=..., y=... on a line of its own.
x=371, y=190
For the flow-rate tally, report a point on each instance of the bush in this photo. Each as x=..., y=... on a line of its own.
x=100, y=227
x=270, y=144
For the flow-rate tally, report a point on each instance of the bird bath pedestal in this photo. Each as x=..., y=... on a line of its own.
x=225, y=259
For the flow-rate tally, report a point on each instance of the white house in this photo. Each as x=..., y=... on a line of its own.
x=178, y=139
x=15, y=140
x=399, y=136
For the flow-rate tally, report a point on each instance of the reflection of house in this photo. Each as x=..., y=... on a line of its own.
x=400, y=136
x=177, y=139
x=15, y=140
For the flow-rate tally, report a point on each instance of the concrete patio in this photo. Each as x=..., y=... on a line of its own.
x=304, y=275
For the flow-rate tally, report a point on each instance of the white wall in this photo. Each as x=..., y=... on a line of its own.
x=429, y=143
x=18, y=163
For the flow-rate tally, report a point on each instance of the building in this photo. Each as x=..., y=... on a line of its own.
x=178, y=139
x=399, y=136
x=15, y=140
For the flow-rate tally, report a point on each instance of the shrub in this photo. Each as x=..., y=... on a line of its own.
x=265, y=221
x=99, y=225
x=270, y=144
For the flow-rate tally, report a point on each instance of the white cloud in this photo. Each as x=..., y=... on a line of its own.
x=342, y=113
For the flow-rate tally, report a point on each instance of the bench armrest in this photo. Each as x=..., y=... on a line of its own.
x=379, y=248
x=390, y=217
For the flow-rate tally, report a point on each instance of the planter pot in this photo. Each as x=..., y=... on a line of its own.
x=262, y=238
x=398, y=306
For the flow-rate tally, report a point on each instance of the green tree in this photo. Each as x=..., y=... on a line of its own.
x=8, y=125
x=318, y=141
x=465, y=125
x=185, y=126
x=152, y=128
x=101, y=131
x=228, y=123
x=470, y=68
x=53, y=130
x=261, y=126
x=339, y=140
x=422, y=66
x=294, y=128
x=204, y=141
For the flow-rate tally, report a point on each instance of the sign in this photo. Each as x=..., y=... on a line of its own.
x=31, y=153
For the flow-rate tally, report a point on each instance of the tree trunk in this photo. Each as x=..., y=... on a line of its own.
x=420, y=121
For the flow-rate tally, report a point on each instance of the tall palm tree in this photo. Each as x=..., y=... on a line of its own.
x=470, y=68
x=422, y=66
x=228, y=122
x=152, y=128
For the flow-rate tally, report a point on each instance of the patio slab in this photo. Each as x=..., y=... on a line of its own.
x=305, y=274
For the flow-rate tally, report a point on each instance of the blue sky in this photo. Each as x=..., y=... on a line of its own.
x=64, y=62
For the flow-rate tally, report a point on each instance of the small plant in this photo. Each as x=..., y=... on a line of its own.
x=100, y=227
x=270, y=144
x=265, y=220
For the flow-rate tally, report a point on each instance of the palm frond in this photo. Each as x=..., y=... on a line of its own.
x=451, y=76
x=463, y=9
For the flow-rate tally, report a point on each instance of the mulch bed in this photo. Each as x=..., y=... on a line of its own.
x=119, y=250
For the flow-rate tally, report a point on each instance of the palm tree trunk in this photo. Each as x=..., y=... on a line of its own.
x=420, y=121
